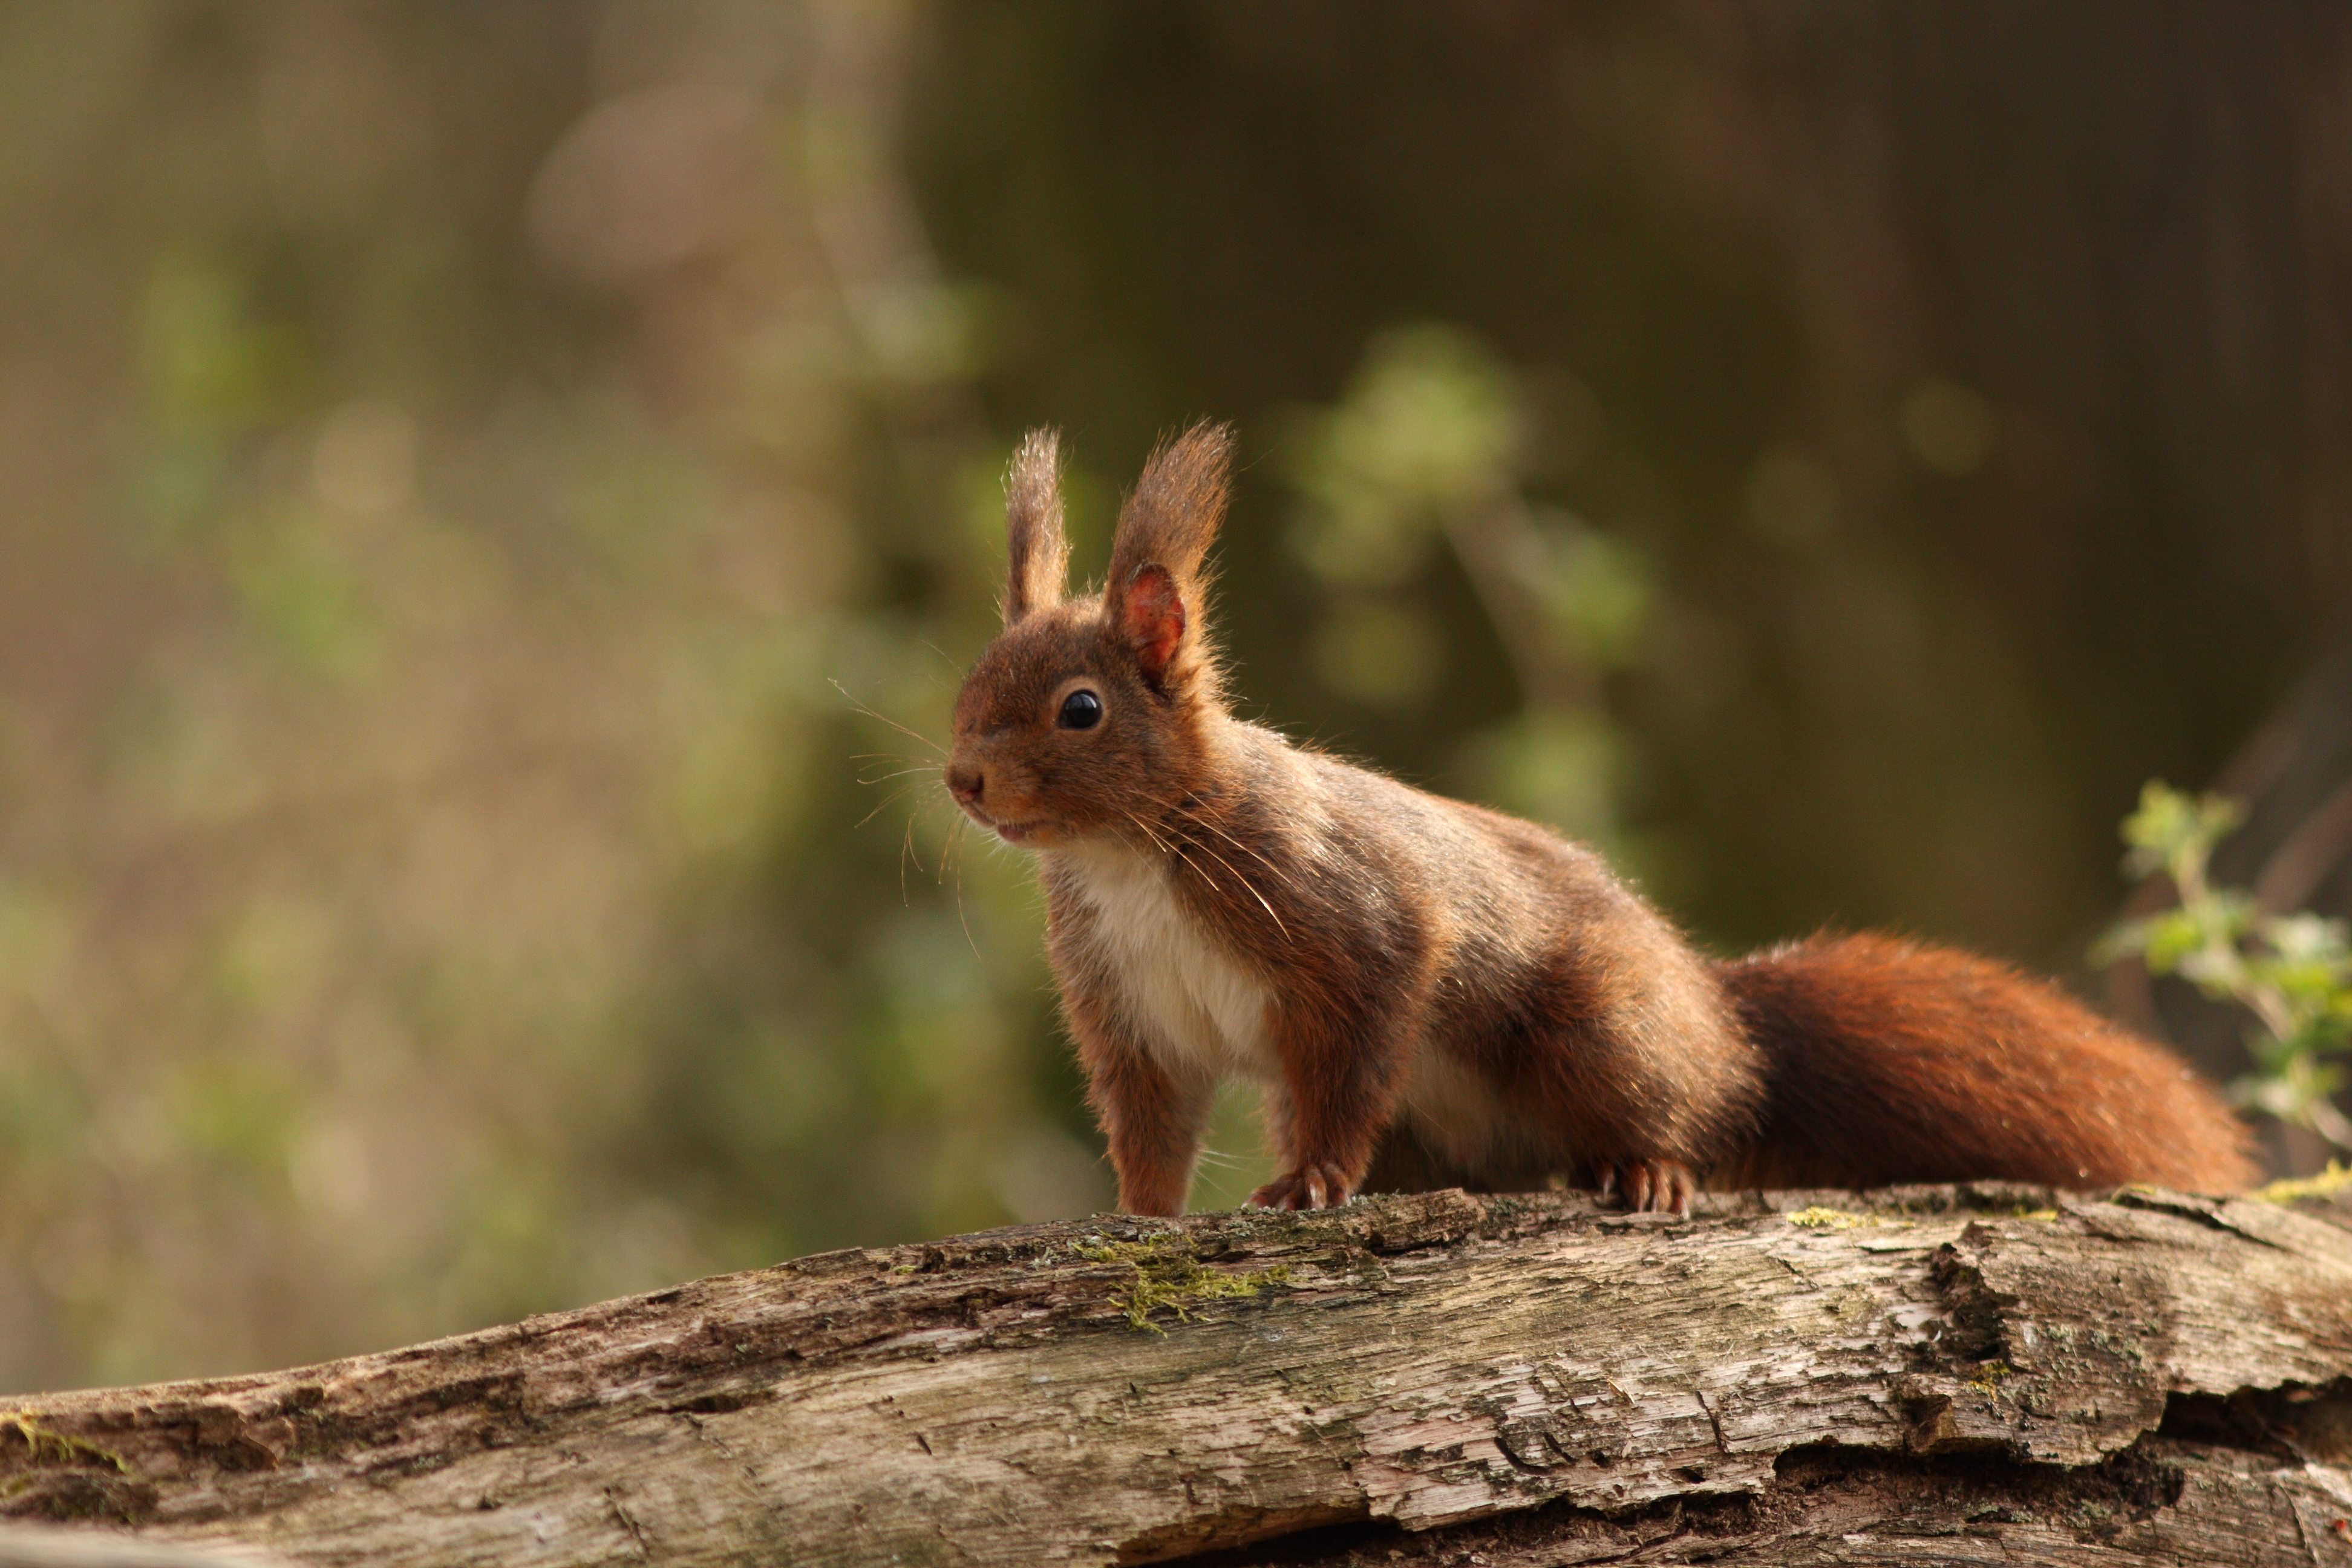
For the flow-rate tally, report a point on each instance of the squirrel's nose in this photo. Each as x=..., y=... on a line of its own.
x=966, y=784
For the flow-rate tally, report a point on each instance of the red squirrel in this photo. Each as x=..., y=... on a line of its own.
x=1435, y=995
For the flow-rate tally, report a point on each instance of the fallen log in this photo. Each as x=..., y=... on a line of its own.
x=1938, y=1375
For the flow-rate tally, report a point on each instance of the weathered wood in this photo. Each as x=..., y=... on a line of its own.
x=53, y=1546
x=1932, y=1374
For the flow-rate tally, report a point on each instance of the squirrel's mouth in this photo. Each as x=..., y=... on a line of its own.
x=1010, y=832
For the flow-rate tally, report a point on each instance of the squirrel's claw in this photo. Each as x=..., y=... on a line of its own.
x=1661, y=1185
x=1307, y=1187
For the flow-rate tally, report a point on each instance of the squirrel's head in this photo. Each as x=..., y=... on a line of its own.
x=1089, y=715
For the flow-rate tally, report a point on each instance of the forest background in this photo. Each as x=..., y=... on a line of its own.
x=495, y=498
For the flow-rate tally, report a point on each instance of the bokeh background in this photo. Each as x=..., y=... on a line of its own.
x=495, y=497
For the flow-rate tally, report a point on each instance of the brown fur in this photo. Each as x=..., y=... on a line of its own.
x=1897, y=1062
x=1432, y=994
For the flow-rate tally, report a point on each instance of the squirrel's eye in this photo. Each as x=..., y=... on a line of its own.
x=1081, y=710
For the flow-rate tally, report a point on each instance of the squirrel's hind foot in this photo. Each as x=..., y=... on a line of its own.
x=1307, y=1187
x=1662, y=1186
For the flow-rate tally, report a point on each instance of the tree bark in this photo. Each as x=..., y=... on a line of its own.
x=1942, y=1375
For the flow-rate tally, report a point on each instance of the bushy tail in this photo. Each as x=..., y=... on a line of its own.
x=1893, y=1061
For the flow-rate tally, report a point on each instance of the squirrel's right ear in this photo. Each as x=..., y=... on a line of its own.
x=1159, y=572
x=1037, y=554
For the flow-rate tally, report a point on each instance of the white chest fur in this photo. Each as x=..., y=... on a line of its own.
x=1185, y=993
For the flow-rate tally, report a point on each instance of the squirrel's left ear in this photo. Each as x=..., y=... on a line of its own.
x=1037, y=554
x=1158, y=578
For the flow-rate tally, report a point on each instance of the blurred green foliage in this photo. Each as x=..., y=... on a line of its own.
x=453, y=455
x=2291, y=971
x=1426, y=449
x=1429, y=426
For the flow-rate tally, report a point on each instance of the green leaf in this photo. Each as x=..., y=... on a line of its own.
x=2170, y=827
x=2293, y=971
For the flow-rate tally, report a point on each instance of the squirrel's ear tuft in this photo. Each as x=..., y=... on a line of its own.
x=1037, y=553
x=1157, y=576
x=1176, y=508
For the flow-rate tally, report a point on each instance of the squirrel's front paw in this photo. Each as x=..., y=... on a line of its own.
x=1307, y=1187
x=1663, y=1184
